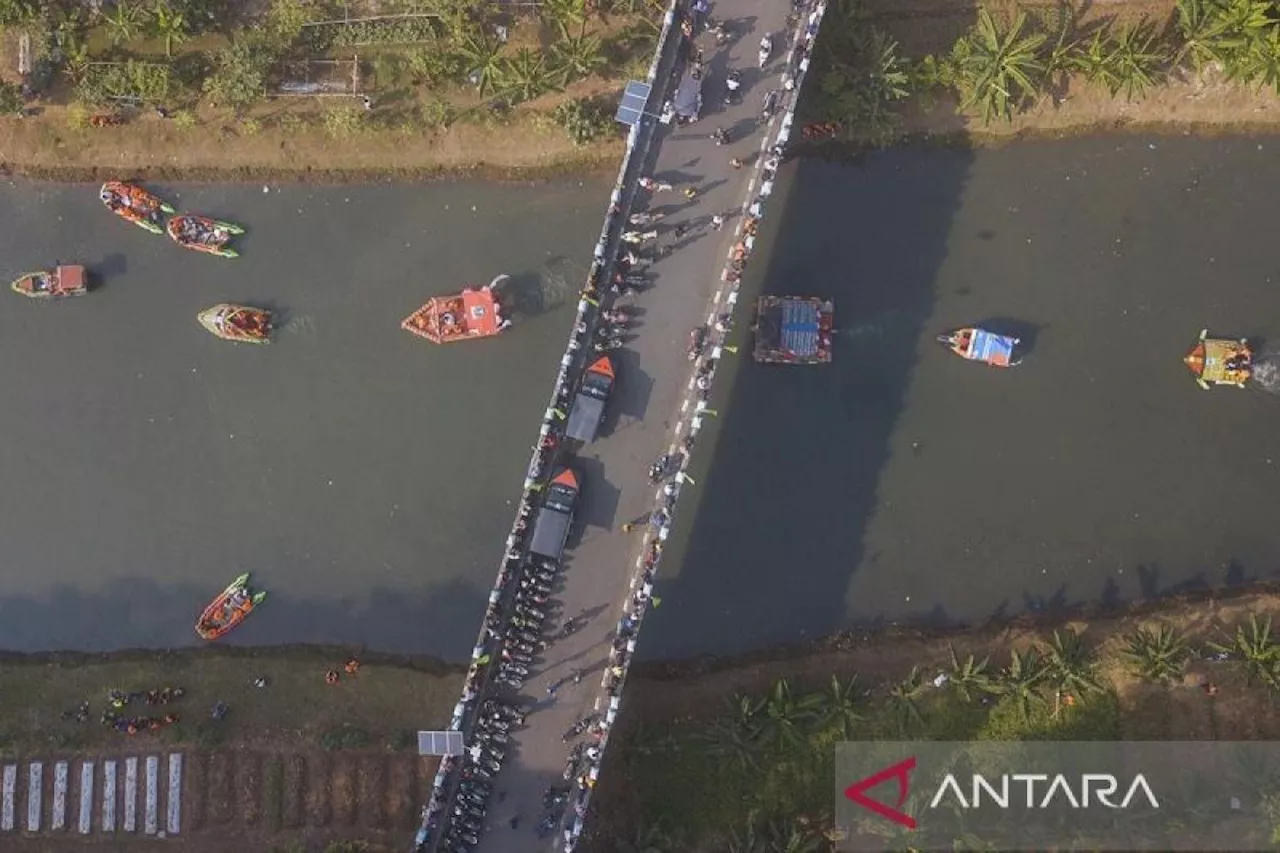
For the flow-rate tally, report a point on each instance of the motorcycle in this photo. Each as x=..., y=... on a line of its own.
x=527, y=648
x=530, y=612
x=496, y=738
x=578, y=728
x=606, y=346
x=473, y=771
x=570, y=626
x=570, y=768
x=697, y=342
x=476, y=786
x=766, y=50
x=546, y=826
x=514, y=669
x=721, y=136
x=509, y=681
x=609, y=332
x=658, y=470
x=554, y=796
x=501, y=726
x=770, y=105
x=535, y=586
x=470, y=838
x=523, y=660
x=721, y=32
x=532, y=597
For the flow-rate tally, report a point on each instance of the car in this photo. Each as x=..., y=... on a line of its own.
x=591, y=401
x=555, y=517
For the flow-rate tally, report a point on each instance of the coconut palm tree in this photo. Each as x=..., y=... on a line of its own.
x=1159, y=655
x=577, y=56
x=1070, y=665
x=482, y=57
x=1254, y=645
x=526, y=75
x=997, y=70
x=170, y=25
x=1137, y=59
x=839, y=706
x=904, y=698
x=969, y=677
x=1022, y=678
x=124, y=22
x=786, y=714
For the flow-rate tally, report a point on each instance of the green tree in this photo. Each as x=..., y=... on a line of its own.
x=840, y=705
x=124, y=22
x=1260, y=64
x=10, y=98
x=240, y=75
x=564, y=13
x=170, y=25
x=1253, y=643
x=729, y=740
x=904, y=700
x=526, y=75
x=18, y=12
x=1159, y=655
x=969, y=677
x=1202, y=31
x=997, y=70
x=1020, y=681
x=786, y=715
x=1070, y=666
x=576, y=56
x=1136, y=58
x=483, y=59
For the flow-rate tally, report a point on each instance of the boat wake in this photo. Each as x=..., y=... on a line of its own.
x=1266, y=369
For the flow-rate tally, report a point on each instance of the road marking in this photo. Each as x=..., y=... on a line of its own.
x=58, y=820
x=6, y=806
x=108, y=796
x=35, y=790
x=86, y=797
x=175, y=793
x=151, y=816
x=131, y=794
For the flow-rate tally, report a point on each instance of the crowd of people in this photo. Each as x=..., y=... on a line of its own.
x=627, y=227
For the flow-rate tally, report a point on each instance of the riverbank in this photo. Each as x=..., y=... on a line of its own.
x=707, y=758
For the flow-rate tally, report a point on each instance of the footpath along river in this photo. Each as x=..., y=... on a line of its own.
x=365, y=476
x=901, y=483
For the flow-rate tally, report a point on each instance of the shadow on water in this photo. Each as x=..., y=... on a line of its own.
x=765, y=549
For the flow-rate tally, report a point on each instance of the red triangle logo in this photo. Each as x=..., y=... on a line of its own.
x=857, y=792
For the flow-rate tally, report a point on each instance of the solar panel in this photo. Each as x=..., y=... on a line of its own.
x=440, y=743
x=634, y=97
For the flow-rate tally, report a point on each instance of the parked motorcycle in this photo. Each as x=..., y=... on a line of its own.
x=697, y=342
x=770, y=105
x=606, y=346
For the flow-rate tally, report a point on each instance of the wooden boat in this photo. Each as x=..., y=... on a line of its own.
x=238, y=323
x=61, y=281
x=229, y=608
x=203, y=234
x=1220, y=361
x=793, y=330
x=473, y=313
x=135, y=204
x=982, y=346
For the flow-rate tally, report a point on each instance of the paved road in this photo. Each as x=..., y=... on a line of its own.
x=653, y=375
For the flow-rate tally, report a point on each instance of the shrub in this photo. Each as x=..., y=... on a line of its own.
x=343, y=122
x=10, y=98
x=185, y=119
x=346, y=737
x=240, y=76
x=584, y=119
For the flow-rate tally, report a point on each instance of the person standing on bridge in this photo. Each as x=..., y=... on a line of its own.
x=654, y=186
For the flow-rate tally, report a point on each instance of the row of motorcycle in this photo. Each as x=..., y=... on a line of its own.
x=496, y=718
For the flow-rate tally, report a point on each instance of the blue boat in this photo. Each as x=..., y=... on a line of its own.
x=980, y=345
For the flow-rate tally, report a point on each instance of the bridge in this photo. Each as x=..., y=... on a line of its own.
x=710, y=195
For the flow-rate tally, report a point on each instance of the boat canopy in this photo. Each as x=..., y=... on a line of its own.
x=991, y=348
x=794, y=330
x=70, y=277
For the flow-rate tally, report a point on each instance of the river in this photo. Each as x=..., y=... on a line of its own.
x=365, y=476
x=903, y=484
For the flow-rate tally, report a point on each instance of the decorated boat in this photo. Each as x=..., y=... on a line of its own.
x=229, y=608
x=238, y=323
x=132, y=202
x=203, y=234
x=473, y=313
x=1220, y=361
x=57, y=283
x=980, y=345
x=794, y=330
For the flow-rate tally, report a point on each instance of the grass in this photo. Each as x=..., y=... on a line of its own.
x=295, y=710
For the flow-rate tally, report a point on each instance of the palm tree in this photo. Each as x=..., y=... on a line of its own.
x=483, y=58
x=1201, y=28
x=1253, y=644
x=904, y=698
x=169, y=25
x=123, y=22
x=1021, y=679
x=839, y=706
x=1070, y=665
x=1159, y=654
x=1137, y=59
x=785, y=715
x=969, y=676
x=728, y=739
x=526, y=75
x=564, y=12
x=997, y=70
x=1260, y=65
x=575, y=57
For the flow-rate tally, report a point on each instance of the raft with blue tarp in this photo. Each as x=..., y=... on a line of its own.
x=981, y=345
x=793, y=330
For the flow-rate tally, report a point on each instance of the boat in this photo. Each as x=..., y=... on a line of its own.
x=135, y=204
x=238, y=323
x=794, y=330
x=229, y=608
x=476, y=312
x=61, y=281
x=1220, y=361
x=980, y=345
x=203, y=234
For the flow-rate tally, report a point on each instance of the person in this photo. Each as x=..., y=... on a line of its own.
x=690, y=193
x=720, y=136
x=260, y=682
x=628, y=526
x=717, y=222
x=733, y=82
x=680, y=230
x=577, y=676
x=736, y=162
x=352, y=666
x=331, y=677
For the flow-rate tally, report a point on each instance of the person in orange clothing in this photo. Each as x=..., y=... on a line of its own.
x=353, y=666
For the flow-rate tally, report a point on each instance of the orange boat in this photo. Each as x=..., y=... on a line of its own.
x=135, y=204
x=229, y=609
x=473, y=313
